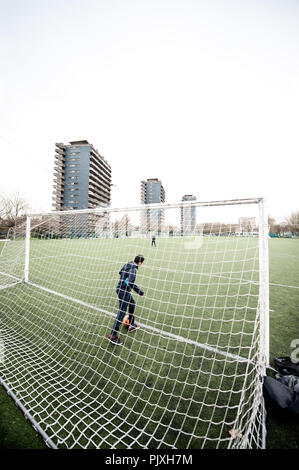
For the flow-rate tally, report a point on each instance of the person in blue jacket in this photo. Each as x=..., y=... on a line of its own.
x=126, y=301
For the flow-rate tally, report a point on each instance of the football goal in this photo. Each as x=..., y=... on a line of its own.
x=190, y=376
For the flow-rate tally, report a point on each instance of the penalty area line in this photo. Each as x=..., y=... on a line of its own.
x=148, y=327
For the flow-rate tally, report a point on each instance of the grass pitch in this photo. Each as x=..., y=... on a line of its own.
x=65, y=343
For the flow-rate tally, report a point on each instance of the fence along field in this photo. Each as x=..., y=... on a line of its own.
x=188, y=378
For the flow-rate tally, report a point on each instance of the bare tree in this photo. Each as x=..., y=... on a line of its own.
x=274, y=227
x=13, y=208
x=292, y=222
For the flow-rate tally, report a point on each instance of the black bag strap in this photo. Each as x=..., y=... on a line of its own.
x=286, y=366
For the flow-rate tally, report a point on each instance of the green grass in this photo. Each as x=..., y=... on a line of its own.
x=163, y=377
x=283, y=432
x=15, y=431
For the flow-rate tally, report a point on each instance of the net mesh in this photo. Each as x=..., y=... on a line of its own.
x=190, y=375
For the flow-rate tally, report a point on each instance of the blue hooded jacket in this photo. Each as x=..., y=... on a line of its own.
x=127, y=278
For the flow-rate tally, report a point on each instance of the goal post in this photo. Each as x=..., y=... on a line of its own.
x=27, y=249
x=264, y=279
x=190, y=376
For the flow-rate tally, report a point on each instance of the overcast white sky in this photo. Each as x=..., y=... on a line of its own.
x=202, y=94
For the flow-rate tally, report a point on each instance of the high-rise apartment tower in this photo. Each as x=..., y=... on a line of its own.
x=188, y=216
x=152, y=192
x=82, y=177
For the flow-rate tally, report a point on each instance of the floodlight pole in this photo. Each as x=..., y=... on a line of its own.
x=27, y=249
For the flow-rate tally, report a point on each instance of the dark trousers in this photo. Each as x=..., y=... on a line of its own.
x=126, y=301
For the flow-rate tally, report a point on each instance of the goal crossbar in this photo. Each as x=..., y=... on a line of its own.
x=229, y=202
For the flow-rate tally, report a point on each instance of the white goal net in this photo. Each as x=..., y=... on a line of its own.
x=190, y=376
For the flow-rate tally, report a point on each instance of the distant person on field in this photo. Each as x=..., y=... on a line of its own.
x=125, y=285
x=154, y=241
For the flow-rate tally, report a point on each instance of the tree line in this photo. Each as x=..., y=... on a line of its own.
x=289, y=226
x=14, y=208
